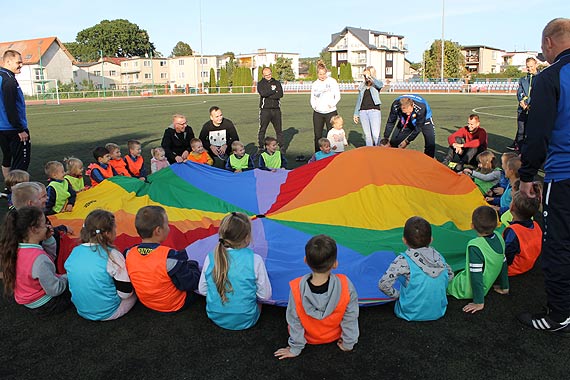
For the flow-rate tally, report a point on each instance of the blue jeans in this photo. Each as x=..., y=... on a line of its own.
x=371, y=120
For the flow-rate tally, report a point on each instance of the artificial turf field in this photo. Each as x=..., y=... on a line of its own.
x=145, y=345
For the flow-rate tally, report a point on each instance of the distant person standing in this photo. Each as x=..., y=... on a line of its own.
x=367, y=108
x=325, y=94
x=14, y=134
x=547, y=144
x=523, y=96
x=270, y=94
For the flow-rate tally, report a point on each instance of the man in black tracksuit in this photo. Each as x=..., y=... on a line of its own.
x=547, y=142
x=270, y=92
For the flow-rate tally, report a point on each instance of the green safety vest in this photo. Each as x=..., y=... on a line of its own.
x=272, y=161
x=239, y=163
x=460, y=286
x=77, y=184
x=61, y=194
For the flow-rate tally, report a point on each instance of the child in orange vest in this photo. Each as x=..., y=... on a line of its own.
x=100, y=169
x=198, y=154
x=323, y=307
x=116, y=160
x=134, y=161
x=523, y=237
x=163, y=278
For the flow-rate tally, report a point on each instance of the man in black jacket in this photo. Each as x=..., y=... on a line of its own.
x=270, y=93
x=176, y=139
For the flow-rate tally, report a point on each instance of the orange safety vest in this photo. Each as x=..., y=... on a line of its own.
x=134, y=167
x=326, y=330
x=120, y=167
x=203, y=158
x=107, y=173
x=530, y=242
x=151, y=281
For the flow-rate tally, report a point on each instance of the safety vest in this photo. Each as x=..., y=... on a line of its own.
x=134, y=166
x=326, y=330
x=530, y=243
x=61, y=194
x=120, y=167
x=272, y=161
x=107, y=172
x=239, y=163
x=28, y=290
x=77, y=183
x=151, y=281
x=460, y=286
x=201, y=158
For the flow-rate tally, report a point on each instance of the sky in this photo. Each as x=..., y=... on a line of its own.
x=293, y=26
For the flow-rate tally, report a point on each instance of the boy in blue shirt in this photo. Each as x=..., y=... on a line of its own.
x=325, y=150
x=423, y=275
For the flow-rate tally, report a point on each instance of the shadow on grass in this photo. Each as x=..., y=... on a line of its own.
x=356, y=139
x=288, y=135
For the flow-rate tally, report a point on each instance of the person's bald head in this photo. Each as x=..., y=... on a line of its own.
x=555, y=38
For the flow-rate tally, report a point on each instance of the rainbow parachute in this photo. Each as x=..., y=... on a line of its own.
x=361, y=198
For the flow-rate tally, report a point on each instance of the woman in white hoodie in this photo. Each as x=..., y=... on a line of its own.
x=325, y=95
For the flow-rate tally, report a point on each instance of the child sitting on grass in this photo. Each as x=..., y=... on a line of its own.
x=523, y=237
x=239, y=161
x=116, y=160
x=271, y=158
x=233, y=278
x=13, y=178
x=74, y=173
x=487, y=174
x=324, y=152
x=60, y=193
x=100, y=170
x=323, y=307
x=484, y=262
x=158, y=160
x=423, y=275
x=134, y=160
x=198, y=153
x=164, y=279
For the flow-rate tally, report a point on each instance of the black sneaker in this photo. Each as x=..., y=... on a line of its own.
x=543, y=322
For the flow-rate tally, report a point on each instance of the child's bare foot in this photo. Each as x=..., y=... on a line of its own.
x=497, y=288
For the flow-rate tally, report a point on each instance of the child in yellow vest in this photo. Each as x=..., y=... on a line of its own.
x=60, y=193
x=271, y=158
x=74, y=173
x=239, y=161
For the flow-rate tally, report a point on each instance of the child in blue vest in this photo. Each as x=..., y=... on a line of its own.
x=484, y=262
x=233, y=278
x=423, y=275
x=100, y=286
x=239, y=161
x=134, y=161
x=271, y=158
x=324, y=152
x=60, y=193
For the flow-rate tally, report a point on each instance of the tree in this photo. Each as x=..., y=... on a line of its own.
x=283, y=70
x=212, y=80
x=181, y=49
x=334, y=72
x=116, y=38
x=325, y=55
x=230, y=54
x=224, y=80
x=453, y=63
x=312, y=71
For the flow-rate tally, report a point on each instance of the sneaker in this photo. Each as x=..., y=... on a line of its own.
x=513, y=147
x=543, y=322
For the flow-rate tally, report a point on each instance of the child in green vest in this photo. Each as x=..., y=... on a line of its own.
x=60, y=193
x=239, y=161
x=271, y=158
x=74, y=174
x=484, y=262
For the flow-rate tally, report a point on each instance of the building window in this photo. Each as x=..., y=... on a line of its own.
x=112, y=86
x=180, y=62
x=342, y=56
x=205, y=74
x=112, y=73
x=203, y=61
x=125, y=64
x=146, y=64
x=389, y=71
x=180, y=75
x=148, y=76
x=136, y=63
x=389, y=57
x=39, y=74
x=163, y=76
x=97, y=73
x=136, y=76
x=162, y=63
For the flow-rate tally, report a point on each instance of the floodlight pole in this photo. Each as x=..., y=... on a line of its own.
x=102, y=72
x=442, y=37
